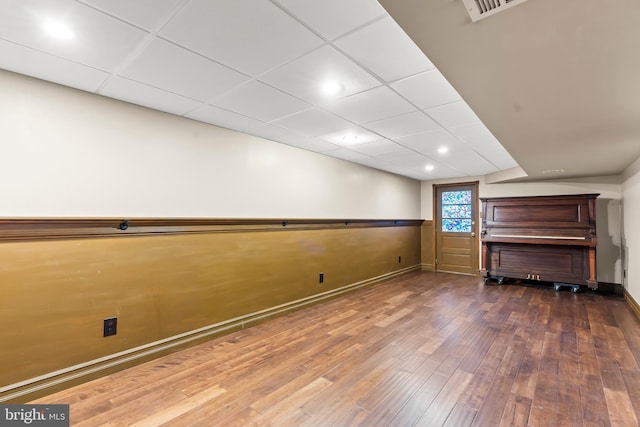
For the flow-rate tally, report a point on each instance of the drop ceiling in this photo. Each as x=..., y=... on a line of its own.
x=557, y=82
x=258, y=67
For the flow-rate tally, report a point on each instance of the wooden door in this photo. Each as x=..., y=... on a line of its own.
x=456, y=227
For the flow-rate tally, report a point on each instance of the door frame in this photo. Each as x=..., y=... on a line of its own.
x=475, y=228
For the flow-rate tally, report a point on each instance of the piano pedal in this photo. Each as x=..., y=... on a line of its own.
x=574, y=288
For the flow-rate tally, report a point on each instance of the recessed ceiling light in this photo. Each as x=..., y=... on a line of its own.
x=58, y=30
x=331, y=87
x=350, y=139
x=553, y=171
x=443, y=150
x=428, y=168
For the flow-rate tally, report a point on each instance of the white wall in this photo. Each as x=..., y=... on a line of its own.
x=608, y=211
x=68, y=153
x=631, y=228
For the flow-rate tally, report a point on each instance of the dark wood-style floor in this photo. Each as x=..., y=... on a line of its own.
x=425, y=348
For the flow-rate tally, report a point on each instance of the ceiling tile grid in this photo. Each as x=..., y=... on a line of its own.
x=352, y=136
x=148, y=14
x=224, y=118
x=148, y=96
x=99, y=41
x=321, y=16
x=384, y=49
x=403, y=125
x=172, y=68
x=260, y=101
x=301, y=77
x=372, y=105
x=262, y=67
x=45, y=66
x=313, y=122
x=251, y=36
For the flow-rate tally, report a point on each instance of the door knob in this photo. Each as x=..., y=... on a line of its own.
x=473, y=234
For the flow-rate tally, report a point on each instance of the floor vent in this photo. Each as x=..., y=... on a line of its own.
x=480, y=9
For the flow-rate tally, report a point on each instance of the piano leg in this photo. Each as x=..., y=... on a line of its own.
x=498, y=279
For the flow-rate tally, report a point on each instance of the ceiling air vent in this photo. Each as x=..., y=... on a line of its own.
x=480, y=9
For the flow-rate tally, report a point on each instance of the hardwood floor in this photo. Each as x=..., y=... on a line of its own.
x=430, y=349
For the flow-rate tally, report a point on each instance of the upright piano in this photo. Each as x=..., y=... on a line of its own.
x=540, y=238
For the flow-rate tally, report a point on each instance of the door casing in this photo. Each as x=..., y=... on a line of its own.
x=456, y=252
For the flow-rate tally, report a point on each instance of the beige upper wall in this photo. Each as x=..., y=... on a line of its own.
x=67, y=153
x=631, y=228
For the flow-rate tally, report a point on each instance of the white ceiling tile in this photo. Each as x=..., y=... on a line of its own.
x=477, y=136
x=277, y=134
x=374, y=163
x=372, y=105
x=260, y=101
x=470, y=162
x=332, y=18
x=223, y=118
x=148, y=96
x=385, y=49
x=251, y=36
x=419, y=173
x=378, y=148
x=305, y=76
x=316, y=145
x=420, y=176
x=41, y=65
x=442, y=171
x=416, y=162
x=294, y=139
x=98, y=40
x=313, y=122
x=346, y=154
x=453, y=114
x=394, y=169
x=351, y=136
x=405, y=158
x=165, y=65
x=406, y=124
x=459, y=160
x=427, y=89
x=399, y=170
x=429, y=142
x=147, y=14
x=500, y=157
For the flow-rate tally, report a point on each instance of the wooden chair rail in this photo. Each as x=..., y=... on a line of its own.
x=13, y=229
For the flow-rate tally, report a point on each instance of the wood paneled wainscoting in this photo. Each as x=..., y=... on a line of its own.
x=428, y=257
x=171, y=283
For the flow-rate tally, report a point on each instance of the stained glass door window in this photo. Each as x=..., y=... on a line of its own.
x=456, y=211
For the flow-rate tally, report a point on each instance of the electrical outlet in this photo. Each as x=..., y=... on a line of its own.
x=110, y=326
x=321, y=278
